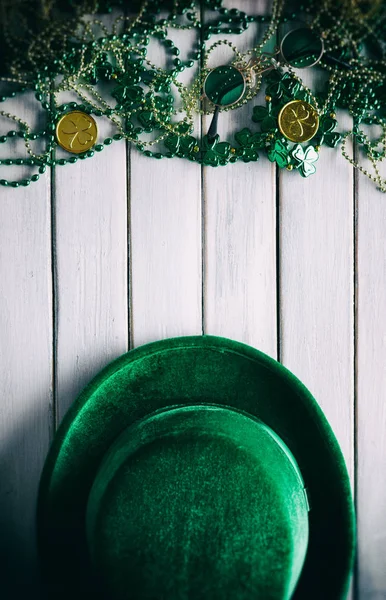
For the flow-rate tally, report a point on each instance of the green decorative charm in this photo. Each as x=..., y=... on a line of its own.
x=282, y=86
x=215, y=152
x=224, y=86
x=328, y=136
x=305, y=159
x=249, y=144
x=266, y=116
x=278, y=152
x=182, y=146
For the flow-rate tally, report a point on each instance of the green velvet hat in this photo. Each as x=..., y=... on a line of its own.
x=195, y=468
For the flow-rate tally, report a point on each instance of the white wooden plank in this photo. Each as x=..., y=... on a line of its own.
x=91, y=255
x=371, y=392
x=240, y=228
x=165, y=239
x=316, y=288
x=25, y=359
x=91, y=263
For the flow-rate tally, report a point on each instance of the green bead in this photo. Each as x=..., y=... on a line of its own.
x=35, y=178
x=99, y=147
x=224, y=86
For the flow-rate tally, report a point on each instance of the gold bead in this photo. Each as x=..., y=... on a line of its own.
x=333, y=115
x=268, y=98
x=289, y=167
x=196, y=148
x=317, y=148
x=114, y=76
x=233, y=150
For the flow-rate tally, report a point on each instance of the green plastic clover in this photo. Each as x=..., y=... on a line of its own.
x=127, y=94
x=215, y=152
x=326, y=130
x=102, y=69
x=304, y=160
x=181, y=145
x=279, y=153
x=147, y=120
x=250, y=143
x=282, y=85
x=266, y=116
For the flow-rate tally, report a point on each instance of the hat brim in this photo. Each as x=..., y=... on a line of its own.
x=188, y=371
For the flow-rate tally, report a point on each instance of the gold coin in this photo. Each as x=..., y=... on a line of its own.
x=76, y=132
x=298, y=121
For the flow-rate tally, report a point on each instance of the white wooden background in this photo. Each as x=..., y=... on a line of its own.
x=121, y=250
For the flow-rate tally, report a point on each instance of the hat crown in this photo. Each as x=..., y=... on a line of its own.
x=198, y=502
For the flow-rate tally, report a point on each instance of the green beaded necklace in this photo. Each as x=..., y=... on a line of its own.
x=51, y=47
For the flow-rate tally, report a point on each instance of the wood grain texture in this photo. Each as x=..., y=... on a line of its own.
x=91, y=270
x=165, y=240
x=25, y=364
x=371, y=393
x=317, y=290
x=240, y=229
x=165, y=233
